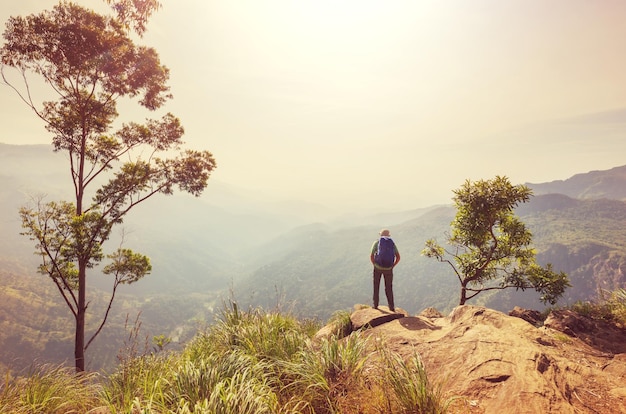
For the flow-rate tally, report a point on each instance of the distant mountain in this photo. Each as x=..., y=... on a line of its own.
x=592, y=185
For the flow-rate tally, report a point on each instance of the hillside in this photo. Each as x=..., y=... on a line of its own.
x=37, y=327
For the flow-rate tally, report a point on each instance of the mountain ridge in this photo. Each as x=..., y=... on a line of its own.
x=590, y=185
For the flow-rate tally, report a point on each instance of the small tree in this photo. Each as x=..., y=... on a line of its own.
x=90, y=62
x=490, y=246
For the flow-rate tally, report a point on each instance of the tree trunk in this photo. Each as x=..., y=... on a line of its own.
x=79, y=341
x=463, y=295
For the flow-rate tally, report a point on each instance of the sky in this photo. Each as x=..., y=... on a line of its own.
x=383, y=104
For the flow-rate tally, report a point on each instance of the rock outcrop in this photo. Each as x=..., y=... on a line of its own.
x=496, y=363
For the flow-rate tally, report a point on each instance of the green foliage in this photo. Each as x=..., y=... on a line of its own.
x=127, y=266
x=486, y=206
x=491, y=247
x=134, y=14
x=160, y=342
x=544, y=280
x=610, y=306
x=617, y=301
x=231, y=368
x=51, y=227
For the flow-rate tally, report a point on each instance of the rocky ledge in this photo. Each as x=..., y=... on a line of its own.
x=498, y=363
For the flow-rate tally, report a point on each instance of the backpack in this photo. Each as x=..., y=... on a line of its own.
x=386, y=253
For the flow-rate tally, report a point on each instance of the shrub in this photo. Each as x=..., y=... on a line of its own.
x=610, y=306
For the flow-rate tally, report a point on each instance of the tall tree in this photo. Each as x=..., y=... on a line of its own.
x=90, y=63
x=490, y=248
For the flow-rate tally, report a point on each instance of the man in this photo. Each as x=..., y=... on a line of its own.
x=384, y=256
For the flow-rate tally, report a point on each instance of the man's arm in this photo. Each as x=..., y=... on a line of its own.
x=373, y=252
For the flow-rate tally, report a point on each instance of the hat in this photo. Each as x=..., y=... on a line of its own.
x=384, y=233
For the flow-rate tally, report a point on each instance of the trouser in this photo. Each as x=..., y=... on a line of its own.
x=388, y=276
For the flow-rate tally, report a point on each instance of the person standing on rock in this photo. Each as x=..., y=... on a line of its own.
x=384, y=256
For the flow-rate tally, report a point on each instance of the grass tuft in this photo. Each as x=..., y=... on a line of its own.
x=411, y=389
x=49, y=389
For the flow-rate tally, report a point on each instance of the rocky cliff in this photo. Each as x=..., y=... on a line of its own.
x=497, y=363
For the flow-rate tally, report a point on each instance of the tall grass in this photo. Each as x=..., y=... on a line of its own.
x=411, y=389
x=223, y=383
x=209, y=376
x=51, y=390
x=141, y=381
x=267, y=336
x=233, y=367
x=319, y=379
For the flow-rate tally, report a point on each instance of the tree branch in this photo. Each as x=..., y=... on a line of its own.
x=106, y=314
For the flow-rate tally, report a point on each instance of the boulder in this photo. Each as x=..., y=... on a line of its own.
x=431, y=313
x=531, y=316
x=496, y=363
x=602, y=335
x=372, y=317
